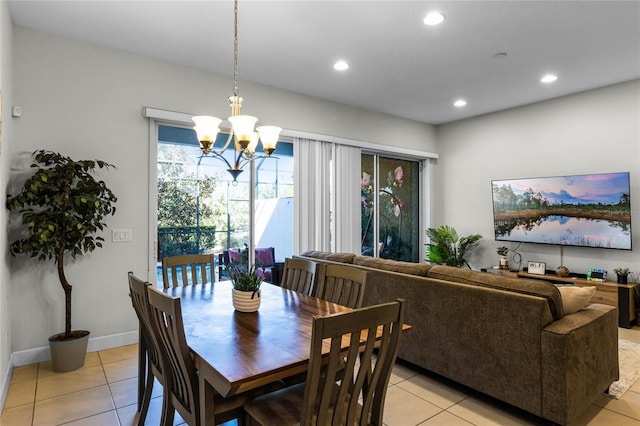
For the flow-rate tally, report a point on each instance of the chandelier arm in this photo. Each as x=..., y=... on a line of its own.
x=219, y=156
x=226, y=145
x=239, y=159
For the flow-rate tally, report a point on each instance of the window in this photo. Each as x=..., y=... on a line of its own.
x=201, y=209
x=390, y=196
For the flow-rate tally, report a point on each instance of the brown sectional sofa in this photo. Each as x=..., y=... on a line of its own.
x=505, y=337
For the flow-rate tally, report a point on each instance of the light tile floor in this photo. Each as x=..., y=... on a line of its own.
x=103, y=393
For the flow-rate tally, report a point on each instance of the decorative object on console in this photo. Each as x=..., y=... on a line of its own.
x=583, y=210
x=515, y=260
x=536, y=268
x=598, y=275
x=446, y=247
x=245, y=140
x=504, y=260
x=562, y=271
x=621, y=274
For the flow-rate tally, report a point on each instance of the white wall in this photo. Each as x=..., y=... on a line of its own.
x=86, y=101
x=5, y=141
x=590, y=132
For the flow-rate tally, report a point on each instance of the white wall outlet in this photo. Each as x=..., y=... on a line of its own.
x=121, y=235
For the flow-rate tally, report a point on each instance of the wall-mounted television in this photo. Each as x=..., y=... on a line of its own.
x=583, y=210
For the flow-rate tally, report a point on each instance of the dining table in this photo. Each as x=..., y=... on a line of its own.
x=235, y=352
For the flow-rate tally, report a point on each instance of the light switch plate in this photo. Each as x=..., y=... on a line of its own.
x=121, y=235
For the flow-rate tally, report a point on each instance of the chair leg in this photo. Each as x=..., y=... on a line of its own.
x=242, y=419
x=146, y=399
x=168, y=411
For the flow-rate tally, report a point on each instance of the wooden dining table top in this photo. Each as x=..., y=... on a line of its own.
x=236, y=351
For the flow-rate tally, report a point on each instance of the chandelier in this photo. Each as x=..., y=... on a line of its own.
x=245, y=139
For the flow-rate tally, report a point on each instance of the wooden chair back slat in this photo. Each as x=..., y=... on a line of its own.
x=299, y=275
x=182, y=379
x=155, y=368
x=334, y=387
x=343, y=284
x=187, y=269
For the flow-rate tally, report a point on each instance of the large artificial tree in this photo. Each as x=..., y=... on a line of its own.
x=63, y=207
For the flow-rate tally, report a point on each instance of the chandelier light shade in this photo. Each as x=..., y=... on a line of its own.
x=207, y=129
x=242, y=131
x=243, y=126
x=269, y=136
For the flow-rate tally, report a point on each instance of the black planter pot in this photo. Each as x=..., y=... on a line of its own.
x=622, y=279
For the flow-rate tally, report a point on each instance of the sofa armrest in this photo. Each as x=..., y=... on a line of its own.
x=579, y=361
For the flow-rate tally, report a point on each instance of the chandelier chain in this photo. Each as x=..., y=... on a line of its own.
x=236, y=91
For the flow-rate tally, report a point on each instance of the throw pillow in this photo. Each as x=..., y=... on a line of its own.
x=575, y=298
x=234, y=255
x=264, y=257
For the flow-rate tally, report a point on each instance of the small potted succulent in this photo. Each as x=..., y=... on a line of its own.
x=246, y=286
x=622, y=274
x=504, y=260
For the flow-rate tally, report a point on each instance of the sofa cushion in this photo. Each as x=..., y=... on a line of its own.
x=419, y=269
x=521, y=285
x=335, y=257
x=575, y=298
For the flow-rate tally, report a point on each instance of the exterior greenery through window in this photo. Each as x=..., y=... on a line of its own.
x=393, y=193
x=199, y=208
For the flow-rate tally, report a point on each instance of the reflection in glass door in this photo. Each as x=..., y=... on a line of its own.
x=390, y=195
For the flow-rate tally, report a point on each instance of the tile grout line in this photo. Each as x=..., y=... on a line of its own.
x=106, y=379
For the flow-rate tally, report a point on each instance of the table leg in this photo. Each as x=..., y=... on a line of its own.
x=207, y=394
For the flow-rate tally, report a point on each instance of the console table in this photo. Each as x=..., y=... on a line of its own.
x=607, y=292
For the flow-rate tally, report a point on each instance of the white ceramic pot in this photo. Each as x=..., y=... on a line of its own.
x=246, y=301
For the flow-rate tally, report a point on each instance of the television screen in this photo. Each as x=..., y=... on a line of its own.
x=583, y=210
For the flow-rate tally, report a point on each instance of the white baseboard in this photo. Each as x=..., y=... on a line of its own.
x=42, y=354
x=6, y=380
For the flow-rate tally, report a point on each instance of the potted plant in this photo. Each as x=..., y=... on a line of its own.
x=448, y=248
x=246, y=286
x=622, y=274
x=63, y=206
x=504, y=261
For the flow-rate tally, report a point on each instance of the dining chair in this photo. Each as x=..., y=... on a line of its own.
x=299, y=275
x=187, y=269
x=342, y=284
x=183, y=393
x=324, y=399
x=150, y=366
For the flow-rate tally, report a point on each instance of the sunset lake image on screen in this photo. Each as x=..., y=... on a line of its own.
x=581, y=210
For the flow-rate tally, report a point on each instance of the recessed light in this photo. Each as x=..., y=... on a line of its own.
x=460, y=103
x=549, y=78
x=341, y=66
x=434, y=18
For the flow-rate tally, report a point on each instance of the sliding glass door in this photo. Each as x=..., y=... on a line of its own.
x=390, y=195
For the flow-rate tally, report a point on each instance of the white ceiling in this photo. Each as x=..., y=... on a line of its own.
x=399, y=66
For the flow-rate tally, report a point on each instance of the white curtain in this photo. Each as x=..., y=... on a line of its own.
x=312, y=203
x=346, y=200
